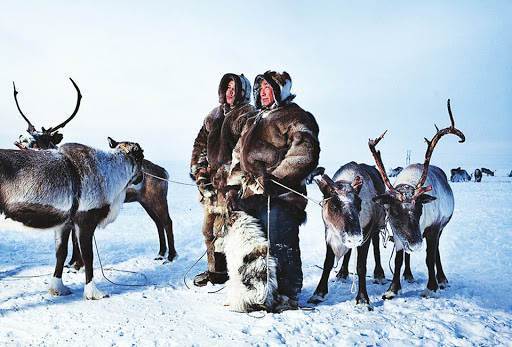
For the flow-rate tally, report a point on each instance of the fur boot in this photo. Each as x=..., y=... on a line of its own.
x=246, y=250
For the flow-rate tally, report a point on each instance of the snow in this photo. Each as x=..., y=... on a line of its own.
x=475, y=310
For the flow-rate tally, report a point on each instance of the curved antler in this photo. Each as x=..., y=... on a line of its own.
x=430, y=149
x=79, y=98
x=31, y=128
x=378, y=160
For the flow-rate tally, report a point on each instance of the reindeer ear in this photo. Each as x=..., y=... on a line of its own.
x=57, y=138
x=316, y=172
x=112, y=143
x=324, y=183
x=357, y=184
x=383, y=199
x=425, y=198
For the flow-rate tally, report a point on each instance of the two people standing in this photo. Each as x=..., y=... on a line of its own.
x=277, y=141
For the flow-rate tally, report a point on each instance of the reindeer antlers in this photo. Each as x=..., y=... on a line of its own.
x=31, y=127
x=78, y=99
x=432, y=144
x=378, y=160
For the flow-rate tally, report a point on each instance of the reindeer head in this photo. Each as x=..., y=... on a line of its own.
x=46, y=138
x=341, y=208
x=134, y=152
x=404, y=203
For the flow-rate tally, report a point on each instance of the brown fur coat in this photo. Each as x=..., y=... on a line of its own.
x=282, y=142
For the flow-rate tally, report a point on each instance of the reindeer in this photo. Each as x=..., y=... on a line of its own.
x=478, y=175
x=413, y=214
x=487, y=171
x=151, y=192
x=351, y=220
x=74, y=186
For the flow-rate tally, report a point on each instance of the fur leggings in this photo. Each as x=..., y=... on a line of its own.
x=285, y=220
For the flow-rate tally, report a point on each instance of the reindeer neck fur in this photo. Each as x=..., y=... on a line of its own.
x=439, y=211
x=104, y=175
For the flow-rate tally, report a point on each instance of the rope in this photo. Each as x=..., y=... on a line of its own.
x=389, y=262
x=268, y=244
x=192, y=266
x=319, y=203
x=171, y=181
x=113, y=269
x=19, y=278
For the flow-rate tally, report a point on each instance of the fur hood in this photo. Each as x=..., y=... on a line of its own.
x=242, y=88
x=281, y=84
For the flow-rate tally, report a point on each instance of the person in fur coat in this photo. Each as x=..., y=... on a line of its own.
x=211, y=158
x=279, y=143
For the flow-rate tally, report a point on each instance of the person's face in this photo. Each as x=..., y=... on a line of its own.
x=230, y=93
x=266, y=94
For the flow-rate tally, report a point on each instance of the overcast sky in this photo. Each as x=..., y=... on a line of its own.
x=149, y=71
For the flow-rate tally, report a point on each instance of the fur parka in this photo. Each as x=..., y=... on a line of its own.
x=222, y=127
x=281, y=141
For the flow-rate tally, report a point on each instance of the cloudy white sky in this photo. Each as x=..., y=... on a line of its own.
x=149, y=71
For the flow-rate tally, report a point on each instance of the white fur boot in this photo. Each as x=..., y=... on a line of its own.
x=91, y=292
x=246, y=250
x=57, y=288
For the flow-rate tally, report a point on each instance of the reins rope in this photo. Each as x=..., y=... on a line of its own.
x=171, y=181
x=319, y=203
x=113, y=269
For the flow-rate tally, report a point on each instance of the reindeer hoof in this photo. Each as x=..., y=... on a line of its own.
x=364, y=304
x=315, y=299
x=342, y=279
x=159, y=257
x=443, y=284
x=379, y=280
x=172, y=257
x=57, y=288
x=409, y=278
x=389, y=295
x=93, y=293
x=428, y=293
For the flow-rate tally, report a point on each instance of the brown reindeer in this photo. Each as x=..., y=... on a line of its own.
x=151, y=192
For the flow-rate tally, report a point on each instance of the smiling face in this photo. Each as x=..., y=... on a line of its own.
x=230, y=93
x=404, y=211
x=266, y=94
x=341, y=208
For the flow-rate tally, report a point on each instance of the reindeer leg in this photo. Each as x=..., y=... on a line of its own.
x=162, y=211
x=407, y=271
x=76, y=261
x=378, y=272
x=85, y=234
x=362, y=256
x=441, y=277
x=160, y=229
x=321, y=289
x=343, y=273
x=170, y=239
x=395, y=286
x=57, y=288
x=432, y=235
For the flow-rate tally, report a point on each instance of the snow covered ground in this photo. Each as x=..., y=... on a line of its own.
x=476, y=309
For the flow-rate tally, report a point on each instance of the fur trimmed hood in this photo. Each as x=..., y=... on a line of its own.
x=242, y=88
x=281, y=84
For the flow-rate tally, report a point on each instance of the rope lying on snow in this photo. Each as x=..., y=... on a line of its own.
x=113, y=269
